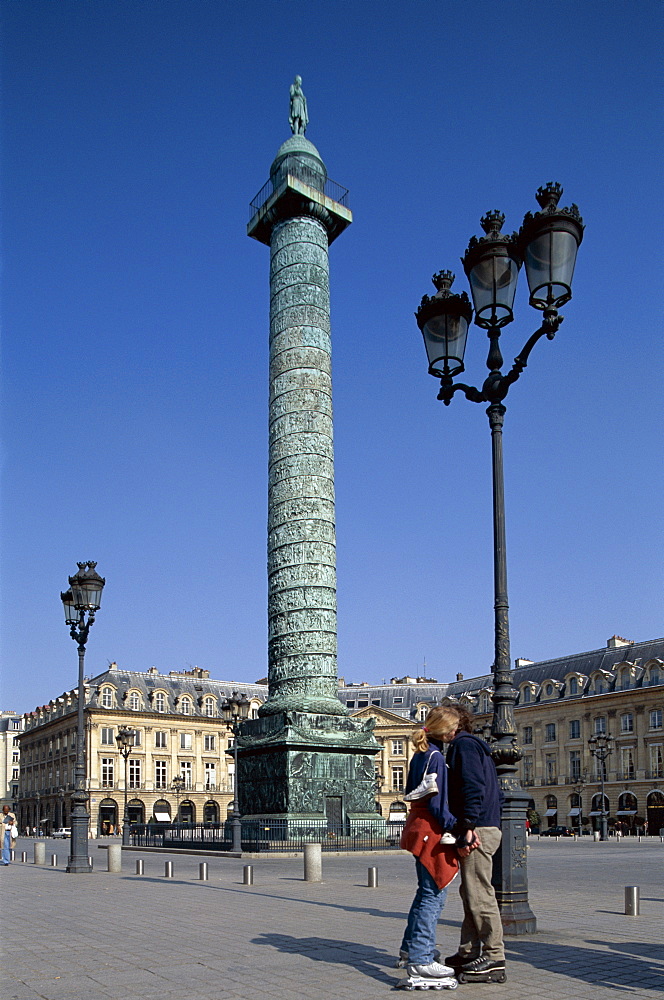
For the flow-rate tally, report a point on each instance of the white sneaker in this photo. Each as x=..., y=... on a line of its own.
x=432, y=971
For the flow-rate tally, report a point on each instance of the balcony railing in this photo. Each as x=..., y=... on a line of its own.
x=294, y=166
x=657, y=773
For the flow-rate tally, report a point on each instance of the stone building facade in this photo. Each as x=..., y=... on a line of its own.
x=11, y=726
x=617, y=689
x=180, y=734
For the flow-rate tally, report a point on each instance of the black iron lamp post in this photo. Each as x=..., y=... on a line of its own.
x=581, y=782
x=601, y=747
x=38, y=827
x=61, y=799
x=547, y=244
x=80, y=603
x=125, y=741
x=178, y=785
x=234, y=710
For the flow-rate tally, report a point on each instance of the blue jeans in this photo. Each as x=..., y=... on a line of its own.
x=6, y=847
x=420, y=936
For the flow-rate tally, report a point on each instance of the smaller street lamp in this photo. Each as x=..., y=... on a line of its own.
x=581, y=782
x=601, y=747
x=125, y=741
x=234, y=710
x=178, y=785
x=83, y=598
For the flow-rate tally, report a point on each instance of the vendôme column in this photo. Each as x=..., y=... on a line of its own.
x=316, y=762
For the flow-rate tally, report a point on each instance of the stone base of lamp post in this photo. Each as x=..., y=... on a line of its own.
x=510, y=871
x=80, y=821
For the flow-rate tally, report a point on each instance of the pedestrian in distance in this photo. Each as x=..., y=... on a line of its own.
x=476, y=799
x=9, y=833
x=428, y=835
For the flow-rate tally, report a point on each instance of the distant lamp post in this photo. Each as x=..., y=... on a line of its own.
x=234, y=710
x=601, y=747
x=38, y=807
x=547, y=244
x=80, y=603
x=125, y=741
x=61, y=799
x=581, y=782
x=178, y=785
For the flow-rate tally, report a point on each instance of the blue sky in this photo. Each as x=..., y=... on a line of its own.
x=135, y=326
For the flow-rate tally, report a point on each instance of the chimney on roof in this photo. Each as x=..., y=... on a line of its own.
x=617, y=640
x=459, y=677
x=522, y=662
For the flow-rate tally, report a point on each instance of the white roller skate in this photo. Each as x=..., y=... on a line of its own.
x=430, y=977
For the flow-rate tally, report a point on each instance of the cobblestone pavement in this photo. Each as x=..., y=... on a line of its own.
x=127, y=937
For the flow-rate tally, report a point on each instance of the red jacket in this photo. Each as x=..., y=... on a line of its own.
x=421, y=836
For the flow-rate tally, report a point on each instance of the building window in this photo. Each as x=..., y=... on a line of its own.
x=209, y=741
x=134, y=702
x=656, y=760
x=397, y=748
x=549, y=690
x=422, y=712
x=574, y=765
x=550, y=768
x=209, y=706
x=397, y=779
x=160, y=739
x=627, y=762
x=160, y=701
x=160, y=774
x=600, y=686
x=185, y=772
x=210, y=776
x=527, y=735
x=600, y=725
x=375, y=701
x=654, y=677
x=627, y=723
x=15, y=757
x=526, y=696
x=134, y=773
x=350, y=704
x=484, y=702
x=186, y=706
x=107, y=772
x=107, y=697
x=550, y=733
x=185, y=741
x=575, y=729
x=528, y=770
x=399, y=701
x=107, y=738
x=573, y=685
x=15, y=771
x=656, y=718
x=362, y=704
x=138, y=738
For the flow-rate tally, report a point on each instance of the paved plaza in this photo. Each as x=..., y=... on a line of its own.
x=126, y=937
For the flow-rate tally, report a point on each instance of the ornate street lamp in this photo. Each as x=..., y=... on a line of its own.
x=233, y=711
x=80, y=603
x=125, y=741
x=178, y=785
x=581, y=782
x=547, y=244
x=601, y=747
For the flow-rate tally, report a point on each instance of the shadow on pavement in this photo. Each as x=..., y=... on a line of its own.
x=591, y=965
x=369, y=961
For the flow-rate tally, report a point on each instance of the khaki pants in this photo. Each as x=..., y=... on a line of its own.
x=482, y=929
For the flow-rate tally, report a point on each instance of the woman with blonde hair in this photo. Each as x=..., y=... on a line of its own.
x=427, y=835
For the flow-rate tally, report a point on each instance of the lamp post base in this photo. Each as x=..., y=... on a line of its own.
x=78, y=859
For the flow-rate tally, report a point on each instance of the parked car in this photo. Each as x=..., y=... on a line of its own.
x=557, y=831
x=64, y=833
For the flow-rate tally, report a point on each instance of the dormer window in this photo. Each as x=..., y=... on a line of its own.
x=107, y=697
x=209, y=707
x=186, y=706
x=549, y=690
x=573, y=685
x=160, y=701
x=527, y=696
x=134, y=701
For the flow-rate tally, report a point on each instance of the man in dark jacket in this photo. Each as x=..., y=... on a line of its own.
x=475, y=799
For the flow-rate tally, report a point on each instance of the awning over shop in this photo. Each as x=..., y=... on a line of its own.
x=551, y=812
x=162, y=817
x=597, y=812
x=626, y=812
x=574, y=812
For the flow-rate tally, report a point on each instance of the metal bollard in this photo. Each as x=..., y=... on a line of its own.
x=40, y=852
x=372, y=877
x=140, y=867
x=168, y=869
x=54, y=861
x=313, y=863
x=632, y=900
x=24, y=857
x=248, y=875
x=91, y=861
x=12, y=854
x=203, y=871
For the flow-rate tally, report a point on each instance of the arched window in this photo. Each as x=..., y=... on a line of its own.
x=527, y=695
x=654, y=677
x=573, y=685
x=160, y=701
x=134, y=701
x=422, y=712
x=185, y=706
x=484, y=702
x=209, y=706
x=625, y=679
x=107, y=697
x=627, y=802
x=549, y=690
